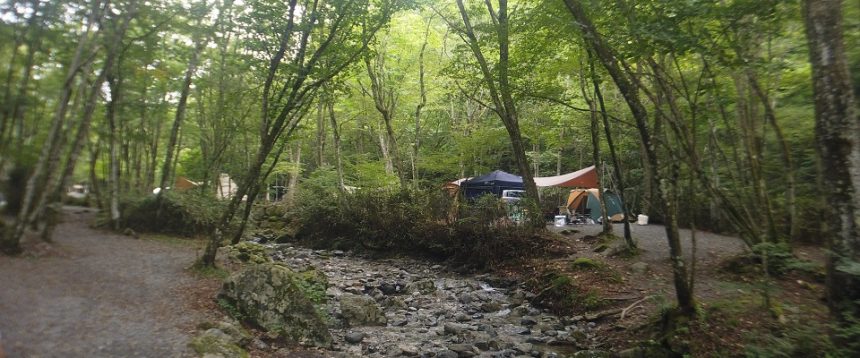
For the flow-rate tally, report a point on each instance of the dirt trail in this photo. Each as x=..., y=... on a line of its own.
x=97, y=294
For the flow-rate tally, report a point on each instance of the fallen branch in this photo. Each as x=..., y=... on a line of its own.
x=599, y=315
x=634, y=304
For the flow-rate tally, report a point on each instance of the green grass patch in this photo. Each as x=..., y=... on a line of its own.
x=584, y=263
x=170, y=239
x=210, y=272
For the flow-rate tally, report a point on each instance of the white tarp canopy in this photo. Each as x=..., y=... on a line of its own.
x=583, y=178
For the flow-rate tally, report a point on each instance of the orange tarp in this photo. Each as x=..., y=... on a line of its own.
x=583, y=178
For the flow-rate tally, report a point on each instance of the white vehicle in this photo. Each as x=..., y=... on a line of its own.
x=513, y=195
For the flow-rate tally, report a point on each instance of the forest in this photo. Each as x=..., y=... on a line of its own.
x=343, y=125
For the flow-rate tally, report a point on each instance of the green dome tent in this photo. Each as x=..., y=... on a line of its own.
x=588, y=201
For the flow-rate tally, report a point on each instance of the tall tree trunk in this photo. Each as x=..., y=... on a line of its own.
x=595, y=152
x=386, y=154
x=52, y=190
x=16, y=119
x=629, y=91
x=837, y=136
x=501, y=92
x=320, y=142
x=166, y=169
x=560, y=151
x=11, y=243
x=790, y=172
x=385, y=100
x=423, y=102
x=616, y=164
x=113, y=177
x=338, y=160
x=295, y=171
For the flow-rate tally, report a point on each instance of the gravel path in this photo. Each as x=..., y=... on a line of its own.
x=97, y=294
x=711, y=251
x=652, y=240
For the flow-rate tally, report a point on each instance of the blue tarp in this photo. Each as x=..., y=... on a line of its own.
x=492, y=183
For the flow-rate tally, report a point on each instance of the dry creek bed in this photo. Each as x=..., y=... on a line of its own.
x=431, y=312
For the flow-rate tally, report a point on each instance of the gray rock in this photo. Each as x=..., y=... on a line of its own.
x=359, y=310
x=274, y=298
x=424, y=287
x=465, y=298
x=454, y=328
x=528, y=321
x=408, y=350
x=536, y=340
x=523, y=348
x=354, y=337
x=462, y=349
x=260, y=345
x=446, y=354
x=491, y=306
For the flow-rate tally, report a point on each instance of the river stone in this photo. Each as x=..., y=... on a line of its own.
x=528, y=321
x=462, y=349
x=272, y=297
x=424, y=287
x=491, y=306
x=354, y=337
x=360, y=310
x=447, y=354
x=453, y=328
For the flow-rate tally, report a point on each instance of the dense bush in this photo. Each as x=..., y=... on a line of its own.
x=429, y=224
x=185, y=214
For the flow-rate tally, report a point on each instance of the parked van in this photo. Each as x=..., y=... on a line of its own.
x=513, y=195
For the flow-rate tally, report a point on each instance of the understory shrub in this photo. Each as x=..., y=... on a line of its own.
x=561, y=294
x=185, y=214
x=427, y=224
x=780, y=261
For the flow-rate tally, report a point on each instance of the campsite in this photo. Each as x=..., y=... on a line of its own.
x=452, y=178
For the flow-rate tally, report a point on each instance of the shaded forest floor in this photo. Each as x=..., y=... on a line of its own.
x=93, y=293
x=99, y=294
x=735, y=317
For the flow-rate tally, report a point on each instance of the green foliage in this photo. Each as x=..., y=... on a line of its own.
x=314, y=284
x=560, y=293
x=584, y=263
x=780, y=258
x=231, y=309
x=247, y=252
x=848, y=335
x=210, y=272
x=796, y=341
x=418, y=223
x=181, y=213
x=207, y=345
x=780, y=261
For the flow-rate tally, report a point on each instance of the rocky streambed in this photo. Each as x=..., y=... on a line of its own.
x=401, y=307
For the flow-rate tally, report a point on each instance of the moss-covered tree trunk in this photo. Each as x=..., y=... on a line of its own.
x=837, y=137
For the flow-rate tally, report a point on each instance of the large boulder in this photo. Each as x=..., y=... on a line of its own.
x=273, y=297
x=360, y=310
